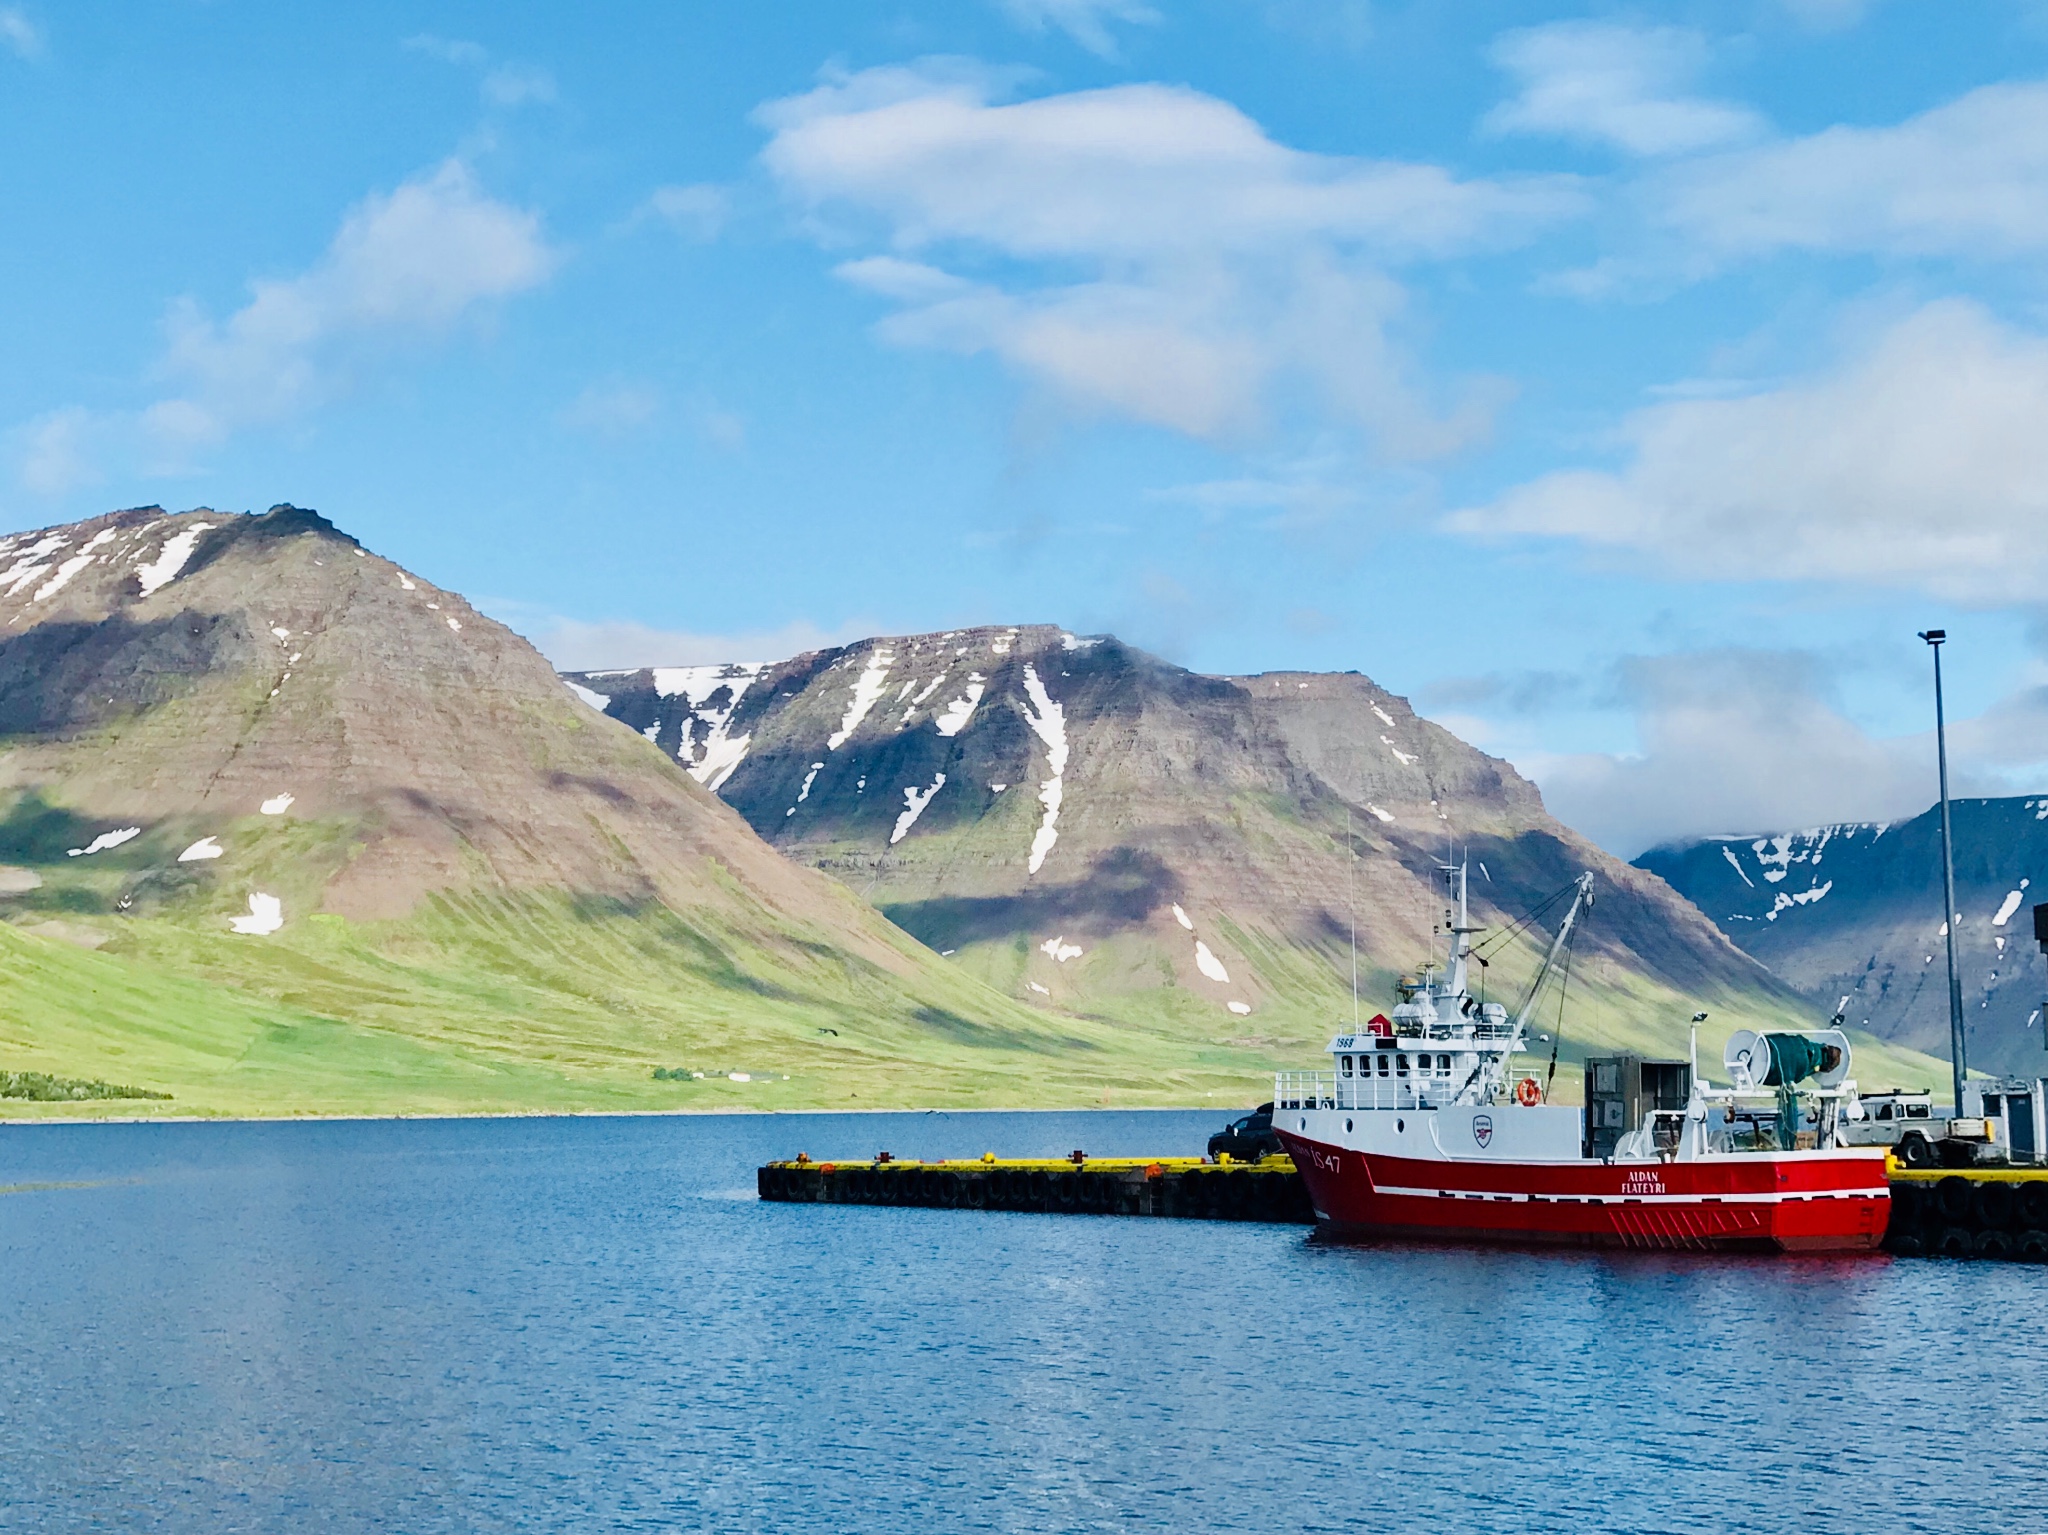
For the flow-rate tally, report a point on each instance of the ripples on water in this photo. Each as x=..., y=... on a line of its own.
x=593, y=1325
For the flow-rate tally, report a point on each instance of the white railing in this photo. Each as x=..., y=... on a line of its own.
x=1329, y=1090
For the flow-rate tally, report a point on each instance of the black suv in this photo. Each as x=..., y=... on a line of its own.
x=1248, y=1139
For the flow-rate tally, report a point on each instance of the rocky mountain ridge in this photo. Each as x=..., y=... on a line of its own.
x=1854, y=911
x=248, y=752
x=1087, y=827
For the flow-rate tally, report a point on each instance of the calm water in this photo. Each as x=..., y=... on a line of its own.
x=593, y=1325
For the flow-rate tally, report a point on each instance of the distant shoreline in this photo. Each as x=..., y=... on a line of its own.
x=330, y=1119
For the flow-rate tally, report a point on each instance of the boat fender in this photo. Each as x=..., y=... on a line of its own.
x=1527, y=1093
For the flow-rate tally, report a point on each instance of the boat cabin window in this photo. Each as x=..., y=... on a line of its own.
x=1401, y=1065
x=1344, y=1064
x=1383, y=1065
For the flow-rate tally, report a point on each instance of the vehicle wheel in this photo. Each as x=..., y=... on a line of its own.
x=1994, y=1205
x=1954, y=1242
x=1915, y=1152
x=2031, y=1201
x=1995, y=1245
x=2032, y=1247
x=1954, y=1200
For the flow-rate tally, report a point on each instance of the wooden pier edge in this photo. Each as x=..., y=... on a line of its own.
x=1182, y=1188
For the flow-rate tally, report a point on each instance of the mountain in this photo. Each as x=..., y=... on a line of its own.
x=1093, y=830
x=1855, y=910
x=285, y=827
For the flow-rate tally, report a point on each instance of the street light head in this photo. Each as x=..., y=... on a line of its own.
x=1934, y=636
x=1699, y=1017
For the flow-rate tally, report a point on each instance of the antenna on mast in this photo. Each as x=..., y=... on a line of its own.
x=1351, y=898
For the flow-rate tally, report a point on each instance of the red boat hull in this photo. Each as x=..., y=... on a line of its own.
x=1804, y=1202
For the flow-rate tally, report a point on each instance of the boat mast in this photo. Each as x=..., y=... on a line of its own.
x=1461, y=934
x=1580, y=901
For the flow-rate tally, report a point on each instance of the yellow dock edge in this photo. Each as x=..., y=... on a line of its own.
x=1896, y=1171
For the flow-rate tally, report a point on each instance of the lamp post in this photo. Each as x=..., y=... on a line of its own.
x=1958, y=1055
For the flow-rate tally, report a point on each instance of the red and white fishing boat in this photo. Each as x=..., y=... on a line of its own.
x=1424, y=1129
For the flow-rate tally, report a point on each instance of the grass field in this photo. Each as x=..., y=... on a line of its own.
x=552, y=1003
x=542, y=1004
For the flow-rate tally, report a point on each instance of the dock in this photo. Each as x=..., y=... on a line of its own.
x=1182, y=1188
x=1982, y=1212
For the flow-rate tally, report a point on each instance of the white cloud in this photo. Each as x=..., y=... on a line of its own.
x=59, y=451
x=698, y=210
x=512, y=85
x=575, y=646
x=1085, y=21
x=1606, y=83
x=449, y=50
x=1921, y=462
x=1828, y=15
x=502, y=85
x=1967, y=179
x=20, y=34
x=1732, y=742
x=1143, y=250
x=1131, y=172
x=612, y=410
x=406, y=264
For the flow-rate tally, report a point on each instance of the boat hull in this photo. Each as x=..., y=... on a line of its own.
x=1801, y=1202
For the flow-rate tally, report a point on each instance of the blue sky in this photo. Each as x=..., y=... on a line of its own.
x=1626, y=386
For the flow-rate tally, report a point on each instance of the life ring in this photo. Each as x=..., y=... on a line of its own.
x=1527, y=1093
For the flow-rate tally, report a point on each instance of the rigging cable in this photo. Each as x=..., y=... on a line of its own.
x=1564, y=983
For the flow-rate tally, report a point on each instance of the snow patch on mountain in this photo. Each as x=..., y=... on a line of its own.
x=72, y=566
x=2010, y=905
x=914, y=801
x=1736, y=864
x=1049, y=724
x=867, y=691
x=103, y=841
x=598, y=701
x=170, y=560
x=953, y=719
x=1207, y=962
x=204, y=848
x=721, y=753
x=1787, y=900
x=1183, y=918
x=1060, y=950
x=265, y=916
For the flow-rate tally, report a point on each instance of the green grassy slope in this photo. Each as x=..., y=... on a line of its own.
x=518, y=1002
x=543, y=1002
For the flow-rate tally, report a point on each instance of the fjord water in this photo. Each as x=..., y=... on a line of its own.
x=592, y=1324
